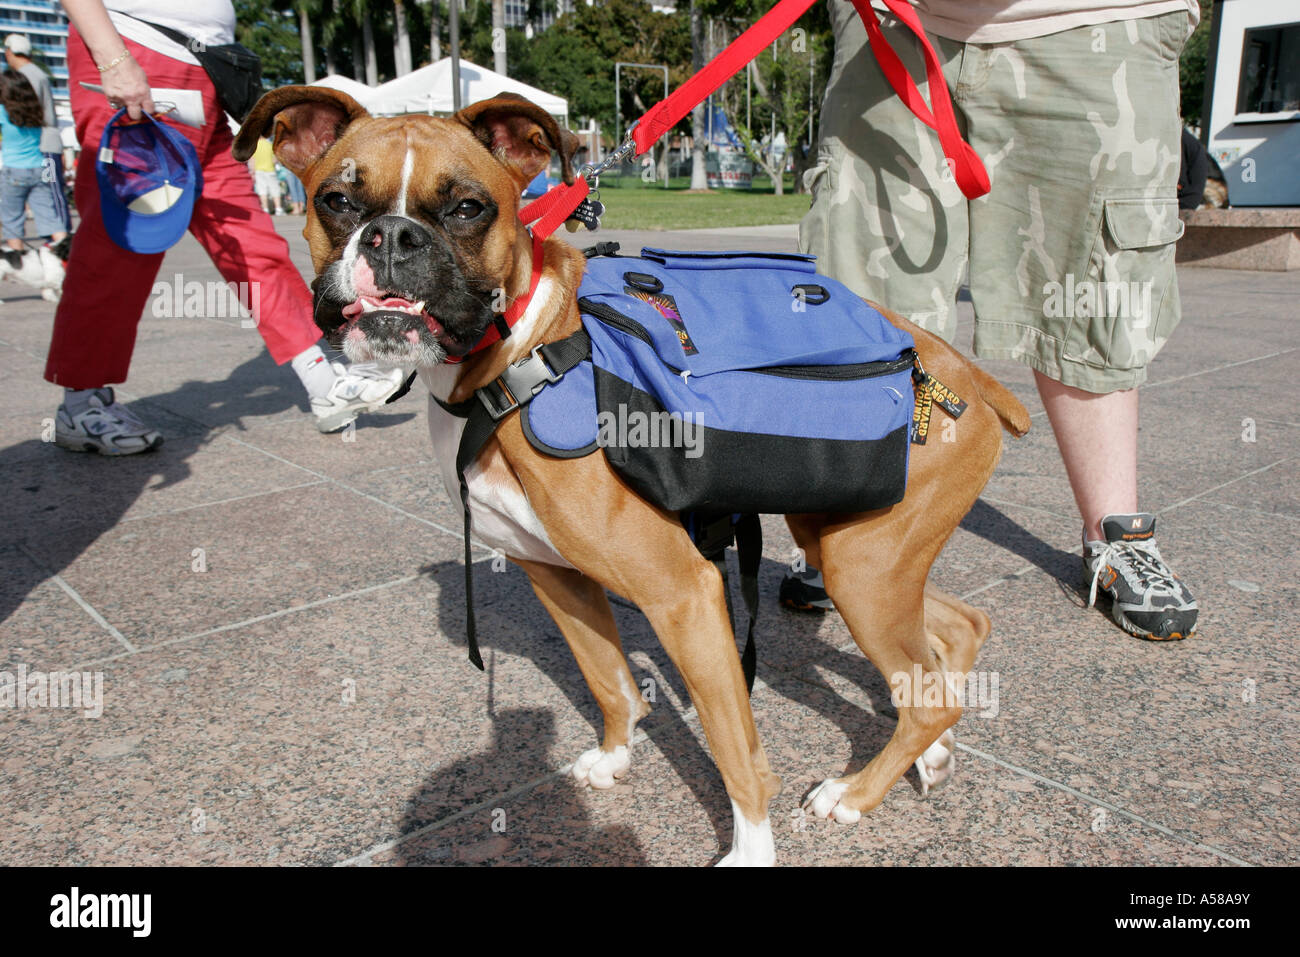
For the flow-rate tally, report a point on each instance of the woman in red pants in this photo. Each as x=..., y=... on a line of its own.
x=107, y=287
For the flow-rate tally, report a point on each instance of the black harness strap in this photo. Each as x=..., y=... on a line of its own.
x=749, y=550
x=484, y=411
x=406, y=387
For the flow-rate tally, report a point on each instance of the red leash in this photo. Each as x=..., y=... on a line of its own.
x=553, y=208
x=967, y=168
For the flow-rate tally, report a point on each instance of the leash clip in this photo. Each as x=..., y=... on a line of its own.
x=591, y=171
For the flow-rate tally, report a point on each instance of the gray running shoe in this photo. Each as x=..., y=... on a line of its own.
x=1148, y=600
x=104, y=426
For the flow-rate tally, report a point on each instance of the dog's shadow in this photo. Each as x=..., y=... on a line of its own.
x=510, y=828
x=512, y=622
x=538, y=826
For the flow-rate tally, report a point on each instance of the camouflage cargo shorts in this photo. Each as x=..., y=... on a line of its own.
x=1071, y=254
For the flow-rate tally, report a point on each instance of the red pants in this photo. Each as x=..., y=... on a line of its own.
x=107, y=288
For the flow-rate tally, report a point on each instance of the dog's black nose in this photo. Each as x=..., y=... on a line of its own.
x=388, y=242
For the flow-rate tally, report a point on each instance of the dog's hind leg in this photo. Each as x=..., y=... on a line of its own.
x=580, y=609
x=914, y=638
x=956, y=632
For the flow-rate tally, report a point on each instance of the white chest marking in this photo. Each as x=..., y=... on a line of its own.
x=501, y=514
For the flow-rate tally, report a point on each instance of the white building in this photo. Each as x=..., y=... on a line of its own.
x=46, y=25
x=1252, y=114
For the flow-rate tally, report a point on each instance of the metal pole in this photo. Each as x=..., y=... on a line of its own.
x=454, y=7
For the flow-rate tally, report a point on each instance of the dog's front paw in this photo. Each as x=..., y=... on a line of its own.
x=751, y=844
x=601, y=769
x=936, y=765
x=824, y=803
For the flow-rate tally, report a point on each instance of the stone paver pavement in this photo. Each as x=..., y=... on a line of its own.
x=278, y=619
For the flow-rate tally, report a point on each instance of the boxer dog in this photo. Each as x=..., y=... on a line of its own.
x=415, y=239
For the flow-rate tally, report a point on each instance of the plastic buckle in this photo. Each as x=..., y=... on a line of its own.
x=497, y=407
x=519, y=382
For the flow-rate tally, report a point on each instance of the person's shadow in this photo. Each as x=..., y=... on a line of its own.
x=59, y=502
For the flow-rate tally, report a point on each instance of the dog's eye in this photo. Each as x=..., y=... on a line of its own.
x=339, y=203
x=467, y=209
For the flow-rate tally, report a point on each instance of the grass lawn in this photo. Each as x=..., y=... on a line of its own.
x=632, y=205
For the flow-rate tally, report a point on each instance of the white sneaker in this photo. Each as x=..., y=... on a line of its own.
x=105, y=426
x=360, y=387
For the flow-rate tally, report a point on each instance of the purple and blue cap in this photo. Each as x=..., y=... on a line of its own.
x=149, y=178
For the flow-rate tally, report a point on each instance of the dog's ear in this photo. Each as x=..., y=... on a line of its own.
x=303, y=122
x=521, y=135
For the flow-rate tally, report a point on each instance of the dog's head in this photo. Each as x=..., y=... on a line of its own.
x=412, y=220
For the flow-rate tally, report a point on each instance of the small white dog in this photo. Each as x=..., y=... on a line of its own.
x=39, y=267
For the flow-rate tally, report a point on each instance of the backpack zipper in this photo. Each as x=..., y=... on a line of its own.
x=856, y=370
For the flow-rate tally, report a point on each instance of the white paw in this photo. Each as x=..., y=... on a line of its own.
x=601, y=769
x=937, y=764
x=751, y=844
x=824, y=802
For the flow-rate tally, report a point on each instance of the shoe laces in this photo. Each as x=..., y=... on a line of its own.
x=1139, y=562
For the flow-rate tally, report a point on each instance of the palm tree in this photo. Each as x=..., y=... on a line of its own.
x=699, y=177
x=329, y=31
x=365, y=48
x=307, y=10
x=435, y=30
x=401, y=40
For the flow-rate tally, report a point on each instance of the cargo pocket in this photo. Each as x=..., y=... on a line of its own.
x=1125, y=305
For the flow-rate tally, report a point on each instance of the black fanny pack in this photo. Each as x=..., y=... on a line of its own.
x=235, y=71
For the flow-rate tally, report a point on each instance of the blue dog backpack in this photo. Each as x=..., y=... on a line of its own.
x=719, y=386
x=734, y=382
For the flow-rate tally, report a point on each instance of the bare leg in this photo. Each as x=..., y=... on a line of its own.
x=1097, y=436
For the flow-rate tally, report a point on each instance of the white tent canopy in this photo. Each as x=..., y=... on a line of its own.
x=344, y=84
x=428, y=90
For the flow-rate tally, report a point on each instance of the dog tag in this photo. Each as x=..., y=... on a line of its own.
x=945, y=397
x=921, y=413
x=587, y=214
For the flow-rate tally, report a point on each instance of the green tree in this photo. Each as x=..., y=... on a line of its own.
x=784, y=90
x=1191, y=68
x=575, y=58
x=271, y=32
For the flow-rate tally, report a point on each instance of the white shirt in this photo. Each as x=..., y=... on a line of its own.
x=1003, y=21
x=211, y=22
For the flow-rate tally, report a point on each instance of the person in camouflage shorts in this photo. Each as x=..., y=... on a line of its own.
x=1070, y=255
